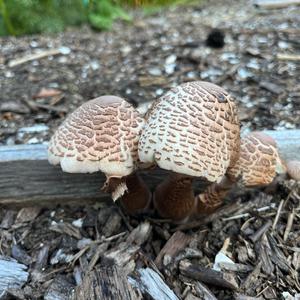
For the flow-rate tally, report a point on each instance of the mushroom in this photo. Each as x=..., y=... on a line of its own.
x=102, y=135
x=258, y=164
x=192, y=131
x=293, y=169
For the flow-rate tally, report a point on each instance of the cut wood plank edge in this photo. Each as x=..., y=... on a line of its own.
x=288, y=142
x=275, y=4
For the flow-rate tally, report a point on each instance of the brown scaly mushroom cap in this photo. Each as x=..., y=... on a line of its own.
x=193, y=130
x=257, y=165
x=100, y=135
x=293, y=169
x=259, y=160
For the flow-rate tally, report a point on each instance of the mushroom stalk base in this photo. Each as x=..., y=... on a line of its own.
x=174, y=198
x=137, y=198
x=213, y=197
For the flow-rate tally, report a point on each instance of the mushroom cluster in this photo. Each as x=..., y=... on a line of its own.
x=192, y=131
x=258, y=164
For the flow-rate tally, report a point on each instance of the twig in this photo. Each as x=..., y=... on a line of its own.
x=245, y=215
x=278, y=214
x=225, y=210
x=209, y=276
x=35, y=106
x=34, y=56
x=285, y=56
x=289, y=225
x=272, y=4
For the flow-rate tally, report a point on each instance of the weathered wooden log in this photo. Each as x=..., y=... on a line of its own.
x=288, y=143
x=27, y=178
x=273, y=4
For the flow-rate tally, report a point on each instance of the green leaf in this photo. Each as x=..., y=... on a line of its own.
x=100, y=22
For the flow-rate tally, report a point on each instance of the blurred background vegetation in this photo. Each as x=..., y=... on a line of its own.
x=19, y=17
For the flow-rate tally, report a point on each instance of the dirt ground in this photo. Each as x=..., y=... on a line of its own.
x=259, y=65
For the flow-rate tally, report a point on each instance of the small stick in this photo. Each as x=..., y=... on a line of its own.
x=209, y=276
x=292, y=57
x=273, y=4
x=34, y=56
x=278, y=214
x=239, y=268
x=289, y=225
x=236, y=217
x=225, y=245
x=245, y=215
x=33, y=105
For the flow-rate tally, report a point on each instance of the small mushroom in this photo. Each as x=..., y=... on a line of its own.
x=293, y=169
x=102, y=135
x=259, y=161
x=192, y=131
x=258, y=164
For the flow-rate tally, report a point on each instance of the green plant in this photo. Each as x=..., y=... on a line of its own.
x=5, y=23
x=18, y=17
x=102, y=13
x=36, y=16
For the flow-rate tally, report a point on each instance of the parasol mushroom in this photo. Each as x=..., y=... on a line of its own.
x=258, y=164
x=192, y=131
x=293, y=169
x=102, y=135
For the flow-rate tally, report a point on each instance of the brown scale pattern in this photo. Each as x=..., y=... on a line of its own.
x=192, y=130
x=107, y=127
x=213, y=197
x=256, y=166
x=258, y=160
x=195, y=127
